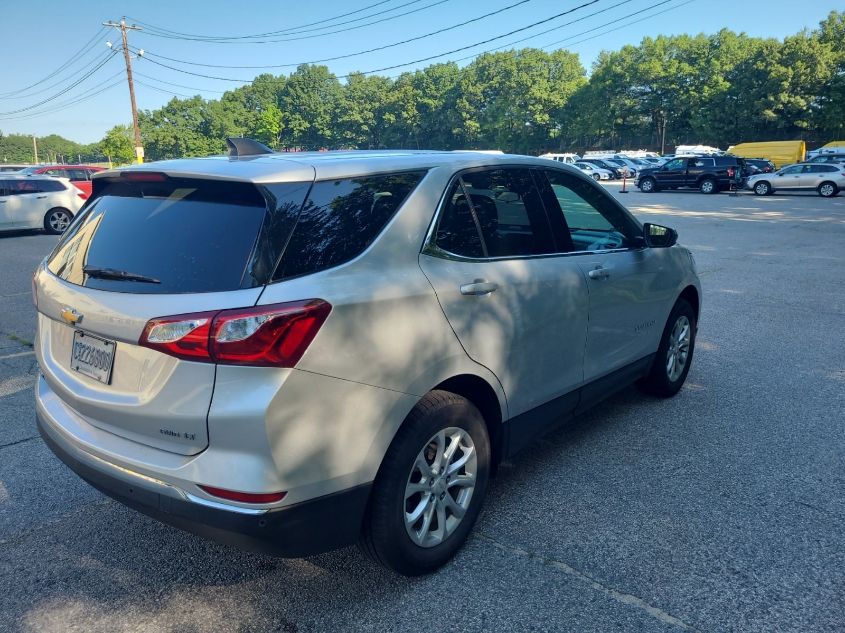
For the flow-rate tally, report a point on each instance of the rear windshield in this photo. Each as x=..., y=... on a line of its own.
x=181, y=235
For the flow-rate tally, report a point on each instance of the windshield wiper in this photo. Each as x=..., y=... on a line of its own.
x=119, y=275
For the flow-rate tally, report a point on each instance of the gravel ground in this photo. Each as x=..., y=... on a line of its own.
x=722, y=509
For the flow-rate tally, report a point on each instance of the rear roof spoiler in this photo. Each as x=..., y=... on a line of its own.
x=241, y=146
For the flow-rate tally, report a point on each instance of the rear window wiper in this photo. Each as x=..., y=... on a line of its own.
x=119, y=275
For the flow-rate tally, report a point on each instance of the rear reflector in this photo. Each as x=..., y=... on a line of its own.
x=274, y=335
x=244, y=497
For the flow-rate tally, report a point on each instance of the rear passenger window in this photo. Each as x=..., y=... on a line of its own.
x=341, y=218
x=509, y=212
x=457, y=231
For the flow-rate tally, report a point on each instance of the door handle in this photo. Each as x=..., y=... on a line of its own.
x=40, y=197
x=599, y=273
x=479, y=287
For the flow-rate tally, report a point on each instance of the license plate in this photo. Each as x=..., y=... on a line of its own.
x=92, y=356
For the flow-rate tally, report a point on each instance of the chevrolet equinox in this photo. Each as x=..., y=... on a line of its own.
x=296, y=352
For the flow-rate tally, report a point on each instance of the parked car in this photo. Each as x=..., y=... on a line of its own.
x=615, y=170
x=293, y=354
x=628, y=168
x=11, y=168
x=593, y=171
x=759, y=166
x=569, y=159
x=825, y=178
x=828, y=158
x=37, y=202
x=79, y=175
x=708, y=174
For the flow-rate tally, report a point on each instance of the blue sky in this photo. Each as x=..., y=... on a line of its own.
x=38, y=38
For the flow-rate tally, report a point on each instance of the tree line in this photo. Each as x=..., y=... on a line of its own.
x=718, y=89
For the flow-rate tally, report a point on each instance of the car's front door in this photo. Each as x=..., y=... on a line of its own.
x=672, y=174
x=517, y=305
x=789, y=177
x=631, y=290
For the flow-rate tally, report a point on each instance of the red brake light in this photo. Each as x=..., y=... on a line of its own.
x=263, y=336
x=144, y=176
x=730, y=172
x=244, y=497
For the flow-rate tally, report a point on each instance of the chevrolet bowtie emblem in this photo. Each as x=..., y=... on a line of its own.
x=71, y=316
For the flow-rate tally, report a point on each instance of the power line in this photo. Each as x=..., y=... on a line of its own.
x=314, y=35
x=60, y=93
x=152, y=28
x=348, y=55
x=63, y=105
x=170, y=92
x=416, y=61
x=170, y=83
x=71, y=60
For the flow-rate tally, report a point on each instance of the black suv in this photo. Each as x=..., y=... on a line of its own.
x=708, y=174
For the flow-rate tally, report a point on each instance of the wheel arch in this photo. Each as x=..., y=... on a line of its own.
x=482, y=395
x=690, y=295
x=836, y=188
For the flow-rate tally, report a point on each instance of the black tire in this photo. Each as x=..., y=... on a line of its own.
x=762, y=188
x=708, y=186
x=595, y=177
x=648, y=185
x=828, y=189
x=384, y=537
x=56, y=220
x=658, y=382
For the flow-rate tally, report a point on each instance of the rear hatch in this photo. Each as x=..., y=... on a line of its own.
x=147, y=246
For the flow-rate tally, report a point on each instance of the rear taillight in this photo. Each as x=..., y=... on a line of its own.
x=731, y=172
x=82, y=195
x=264, y=336
x=34, y=291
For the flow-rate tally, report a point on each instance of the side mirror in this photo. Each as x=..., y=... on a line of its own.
x=658, y=236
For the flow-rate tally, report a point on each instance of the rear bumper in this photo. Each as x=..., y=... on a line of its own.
x=301, y=529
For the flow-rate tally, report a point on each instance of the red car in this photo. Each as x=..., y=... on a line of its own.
x=80, y=175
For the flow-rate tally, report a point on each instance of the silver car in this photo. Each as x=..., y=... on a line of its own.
x=825, y=178
x=37, y=202
x=298, y=352
x=595, y=172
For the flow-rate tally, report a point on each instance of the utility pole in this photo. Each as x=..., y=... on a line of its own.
x=139, y=149
x=34, y=150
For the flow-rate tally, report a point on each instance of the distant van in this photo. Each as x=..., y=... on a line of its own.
x=569, y=159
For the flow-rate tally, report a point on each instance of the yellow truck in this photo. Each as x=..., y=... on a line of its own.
x=779, y=152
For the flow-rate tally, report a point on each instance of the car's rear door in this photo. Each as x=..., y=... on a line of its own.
x=191, y=246
x=516, y=302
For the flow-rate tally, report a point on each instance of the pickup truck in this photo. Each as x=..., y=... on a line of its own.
x=708, y=174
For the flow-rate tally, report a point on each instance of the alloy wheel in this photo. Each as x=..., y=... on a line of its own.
x=826, y=190
x=58, y=221
x=440, y=487
x=679, y=346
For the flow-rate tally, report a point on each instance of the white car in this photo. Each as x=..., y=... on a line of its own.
x=594, y=172
x=37, y=202
x=569, y=159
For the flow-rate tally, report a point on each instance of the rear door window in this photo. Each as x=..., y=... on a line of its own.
x=341, y=218
x=184, y=235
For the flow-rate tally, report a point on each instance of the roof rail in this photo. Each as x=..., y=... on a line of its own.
x=242, y=146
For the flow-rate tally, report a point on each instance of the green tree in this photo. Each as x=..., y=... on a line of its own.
x=118, y=146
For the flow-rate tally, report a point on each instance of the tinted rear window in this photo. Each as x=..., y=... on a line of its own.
x=191, y=235
x=341, y=218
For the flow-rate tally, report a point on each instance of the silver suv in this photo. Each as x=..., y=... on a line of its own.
x=294, y=353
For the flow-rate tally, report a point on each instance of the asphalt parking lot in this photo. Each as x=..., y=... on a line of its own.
x=722, y=509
